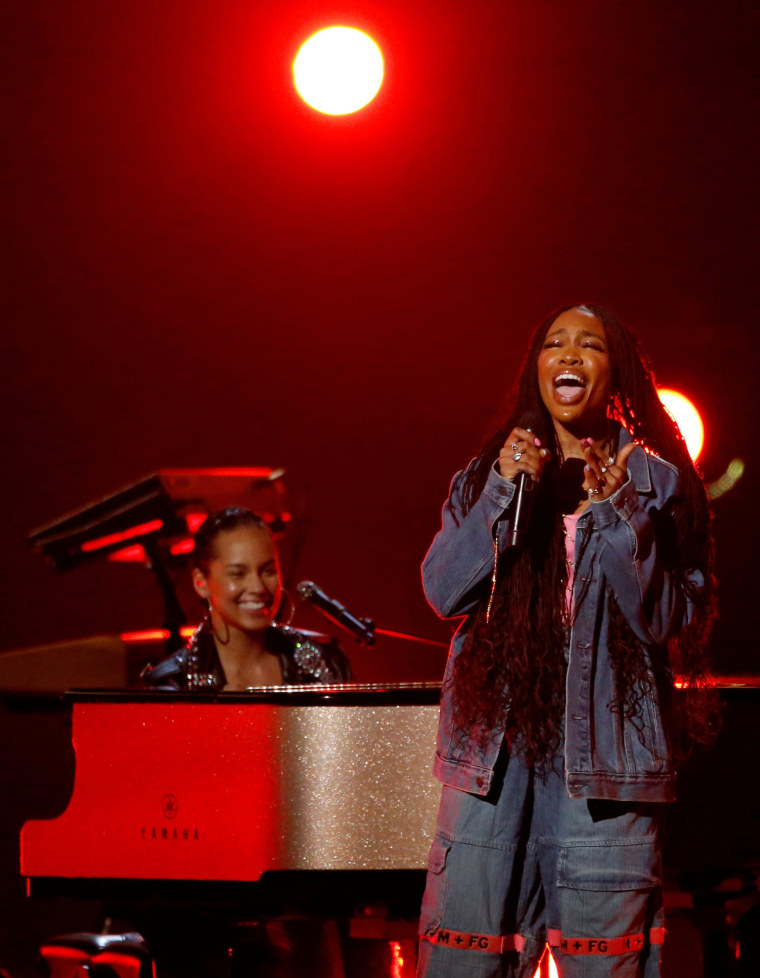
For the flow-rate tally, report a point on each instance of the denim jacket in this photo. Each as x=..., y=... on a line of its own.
x=606, y=755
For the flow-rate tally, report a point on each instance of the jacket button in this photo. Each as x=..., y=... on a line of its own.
x=578, y=716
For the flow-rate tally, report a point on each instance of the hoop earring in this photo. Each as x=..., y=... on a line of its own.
x=214, y=632
x=285, y=598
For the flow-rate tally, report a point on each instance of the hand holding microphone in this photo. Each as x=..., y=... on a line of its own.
x=522, y=452
x=522, y=459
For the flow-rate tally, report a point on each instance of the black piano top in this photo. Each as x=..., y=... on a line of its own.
x=339, y=694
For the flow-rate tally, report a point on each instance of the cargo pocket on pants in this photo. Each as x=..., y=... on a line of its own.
x=627, y=866
x=434, y=899
x=609, y=891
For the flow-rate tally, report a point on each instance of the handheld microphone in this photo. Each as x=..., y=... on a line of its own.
x=523, y=500
x=362, y=628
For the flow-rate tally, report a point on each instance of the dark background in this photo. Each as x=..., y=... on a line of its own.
x=200, y=270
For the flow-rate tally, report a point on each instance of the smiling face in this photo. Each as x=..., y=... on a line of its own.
x=241, y=581
x=574, y=372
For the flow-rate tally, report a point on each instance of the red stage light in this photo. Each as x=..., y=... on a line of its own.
x=397, y=961
x=155, y=634
x=183, y=547
x=338, y=70
x=149, y=635
x=687, y=417
x=135, y=531
x=129, y=555
x=194, y=520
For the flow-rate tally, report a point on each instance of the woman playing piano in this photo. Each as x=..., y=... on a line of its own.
x=239, y=644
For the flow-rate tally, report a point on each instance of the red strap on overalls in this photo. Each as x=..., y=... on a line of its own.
x=462, y=941
x=603, y=945
x=459, y=940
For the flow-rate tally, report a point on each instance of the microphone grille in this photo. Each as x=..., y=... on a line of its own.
x=306, y=590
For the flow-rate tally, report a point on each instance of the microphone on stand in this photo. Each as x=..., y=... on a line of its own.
x=362, y=628
x=523, y=501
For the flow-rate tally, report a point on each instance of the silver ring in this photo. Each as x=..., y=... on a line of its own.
x=593, y=492
x=517, y=456
x=514, y=446
x=604, y=469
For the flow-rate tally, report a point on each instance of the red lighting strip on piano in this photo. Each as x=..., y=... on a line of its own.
x=135, y=531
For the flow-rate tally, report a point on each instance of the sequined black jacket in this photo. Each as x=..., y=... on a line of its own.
x=305, y=657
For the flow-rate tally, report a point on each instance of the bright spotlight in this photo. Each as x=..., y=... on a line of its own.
x=686, y=416
x=338, y=70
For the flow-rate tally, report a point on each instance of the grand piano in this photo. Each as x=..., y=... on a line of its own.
x=234, y=806
x=226, y=808
x=230, y=786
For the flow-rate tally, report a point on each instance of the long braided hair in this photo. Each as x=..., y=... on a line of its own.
x=510, y=674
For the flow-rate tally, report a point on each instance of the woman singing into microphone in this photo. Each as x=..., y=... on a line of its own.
x=559, y=725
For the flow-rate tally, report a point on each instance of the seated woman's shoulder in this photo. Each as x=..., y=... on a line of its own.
x=316, y=657
x=305, y=633
x=167, y=673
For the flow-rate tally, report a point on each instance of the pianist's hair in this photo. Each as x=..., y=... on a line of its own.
x=229, y=518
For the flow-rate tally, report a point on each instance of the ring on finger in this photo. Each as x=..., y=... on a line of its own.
x=514, y=446
x=517, y=456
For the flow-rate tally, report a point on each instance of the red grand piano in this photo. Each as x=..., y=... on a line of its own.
x=230, y=786
x=193, y=816
x=277, y=801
